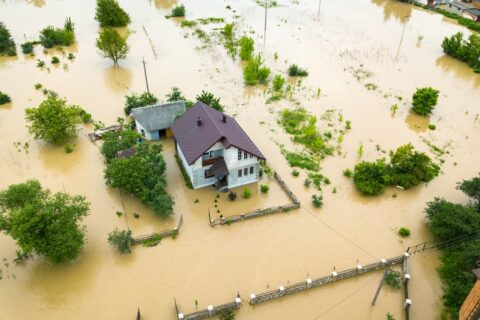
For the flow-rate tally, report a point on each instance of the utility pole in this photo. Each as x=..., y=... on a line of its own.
x=145, y=72
x=265, y=27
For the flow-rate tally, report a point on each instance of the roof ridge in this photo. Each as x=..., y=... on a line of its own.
x=211, y=119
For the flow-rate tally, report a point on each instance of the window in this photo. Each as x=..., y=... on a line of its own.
x=208, y=173
x=251, y=170
x=211, y=154
x=245, y=155
x=245, y=172
x=239, y=154
x=240, y=173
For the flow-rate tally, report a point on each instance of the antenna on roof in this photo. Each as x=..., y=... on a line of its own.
x=199, y=121
x=224, y=118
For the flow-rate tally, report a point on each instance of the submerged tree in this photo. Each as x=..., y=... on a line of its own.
x=138, y=100
x=112, y=45
x=115, y=141
x=122, y=240
x=4, y=98
x=109, y=14
x=51, y=36
x=425, y=100
x=209, y=99
x=54, y=121
x=43, y=223
x=7, y=45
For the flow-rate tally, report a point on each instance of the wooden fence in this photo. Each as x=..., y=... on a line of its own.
x=159, y=235
x=260, y=212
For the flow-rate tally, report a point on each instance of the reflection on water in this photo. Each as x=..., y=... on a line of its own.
x=118, y=78
x=164, y=4
x=399, y=11
x=417, y=122
x=460, y=69
x=37, y=3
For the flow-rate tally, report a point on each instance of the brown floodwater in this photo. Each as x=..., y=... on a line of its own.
x=344, y=45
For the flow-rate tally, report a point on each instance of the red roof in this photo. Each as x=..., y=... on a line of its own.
x=202, y=126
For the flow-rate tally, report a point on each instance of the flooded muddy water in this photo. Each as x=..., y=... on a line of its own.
x=345, y=45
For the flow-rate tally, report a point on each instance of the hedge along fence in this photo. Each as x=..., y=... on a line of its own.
x=155, y=238
x=260, y=212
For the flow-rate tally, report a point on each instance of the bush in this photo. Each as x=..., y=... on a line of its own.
x=27, y=47
x=209, y=99
x=246, y=48
x=404, y=232
x=295, y=71
x=112, y=45
x=317, y=201
x=317, y=180
x=264, y=188
x=347, y=173
x=465, y=50
x=232, y=196
x=178, y=11
x=227, y=315
x=295, y=173
x=68, y=148
x=53, y=120
x=432, y=127
x=114, y=141
x=122, y=240
x=371, y=178
x=51, y=36
x=134, y=101
x=109, y=14
x=7, y=45
x=55, y=60
x=425, y=100
x=472, y=189
x=175, y=95
x=393, y=279
x=247, y=193
x=301, y=161
x=4, y=98
x=278, y=82
x=254, y=73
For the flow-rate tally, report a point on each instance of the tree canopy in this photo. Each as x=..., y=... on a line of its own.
x=109, y=14
x=7, y=45
x=425, y=100
x=138, y=100
x=54, y=121
x=209, y=99
x=115, y=141
x=51, y=36
x=112, y=45
x=472, y=189
x=122, y=240
x=43, y=223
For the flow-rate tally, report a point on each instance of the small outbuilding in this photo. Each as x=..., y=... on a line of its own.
x=154, y=122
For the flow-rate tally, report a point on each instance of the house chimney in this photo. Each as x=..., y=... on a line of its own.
x=224, y=118
x=199, y=121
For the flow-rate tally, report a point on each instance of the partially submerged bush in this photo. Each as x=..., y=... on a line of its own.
x=109, y=14
x=404, y=232
x=465, y=50
x=55, y=60
x=7, y=45
x=247, y=193
x=393, y=279
x=347, y=173
x=4, y=98
x=114, y=141
x=317, y=201
x=27, y=47
x=296, y=71
x=301, y=161
x=278, y=82
x=178, y=11
x=295, y=173
x=134, y=101
x=264, y=188
x=254, y=72
x=371, y=178
x=425, y=100
x=121, y=240
x=51, y=36
x=246, y=48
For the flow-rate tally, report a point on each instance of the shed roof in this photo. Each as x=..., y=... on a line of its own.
x=202, y=126
x=158, y=117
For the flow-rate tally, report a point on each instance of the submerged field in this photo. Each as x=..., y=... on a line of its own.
x=364, y=56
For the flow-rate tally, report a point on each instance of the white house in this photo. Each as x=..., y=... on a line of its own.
x=214, y=149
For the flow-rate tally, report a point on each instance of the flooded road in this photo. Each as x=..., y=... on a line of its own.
x=345, y=45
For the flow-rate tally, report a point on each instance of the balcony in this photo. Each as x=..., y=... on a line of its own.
x=209, y=161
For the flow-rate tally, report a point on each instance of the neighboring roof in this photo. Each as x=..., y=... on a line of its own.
x=219, y=168
x=127, y=153
x=194, y=139
x=158, y=117
x=474, y=11
x=461, y=5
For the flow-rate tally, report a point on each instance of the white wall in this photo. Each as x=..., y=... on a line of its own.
x=148, y=136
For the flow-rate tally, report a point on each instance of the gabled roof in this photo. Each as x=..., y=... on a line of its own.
x=195, y=139
x=158, y=117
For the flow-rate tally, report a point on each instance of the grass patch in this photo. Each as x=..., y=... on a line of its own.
x=299, y=160
x=188, y=183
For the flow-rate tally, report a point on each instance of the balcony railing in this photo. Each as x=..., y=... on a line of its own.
x=209, y=161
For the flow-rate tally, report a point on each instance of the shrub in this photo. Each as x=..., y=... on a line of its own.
x=112, y=45
x=53, y=120
x=175, y=95
x=295, y=173
x=404, y=232
x=432, y=127
x=425, y=100
x=7, y=45
x=247, y=193
x=371, y=178
x=278, y=82
x=68, y=148
x=232, y=196
x=121, y=240
x=227, y=315
x=246, y=48
x=209, y=99
x=109, y=14
x=4, y=98
x=317, y=201
x=40, y=63
x=38, y=86
x=228, y=30
x=178, y=11
x=264, y=188
x=115, y=141
x=55, y=60
x=390, y=316
x=134, y=101
x=465, y=50
x=51, y=36
x=27, y=47
x=307, y=182
x=318, y=179
x=254, y=72
x=301, y=161
x=393, y=279
x=295, y=71
x=347, y=173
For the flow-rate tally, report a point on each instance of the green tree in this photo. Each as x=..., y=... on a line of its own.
x=472, y=189
x=425, y=100
x=209, y=99
x=371, y=178
x=115, y=141
x=122, y=240
x=393, y=279
x=53, y=120
x=51, y=36
x=254, y=72
x=7, y=45
x=109, y=14
x=175, y=95
x=246, y=48
x=278, y=82
x=178, y=11
x=137, y=101
x=43, y=223
x=4, y=98
x=112, y=45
